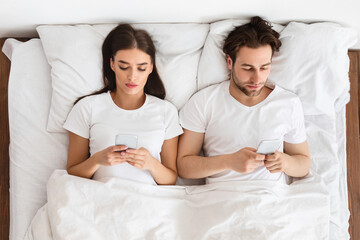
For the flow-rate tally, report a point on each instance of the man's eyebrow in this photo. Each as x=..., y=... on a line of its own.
x=249, y=65
x=141, y=64
x=266, y=64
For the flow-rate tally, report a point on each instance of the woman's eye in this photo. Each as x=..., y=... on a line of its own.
x=123, y=68
x=142, y=69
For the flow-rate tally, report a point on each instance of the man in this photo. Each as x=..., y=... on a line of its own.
x=230, y=119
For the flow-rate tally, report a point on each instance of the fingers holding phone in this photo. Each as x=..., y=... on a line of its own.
x=273, y=160
x=141, y=158
x=137, y=157
x=110, y=156
x=245, y=160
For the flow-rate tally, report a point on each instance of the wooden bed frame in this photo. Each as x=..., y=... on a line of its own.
x=353, y=145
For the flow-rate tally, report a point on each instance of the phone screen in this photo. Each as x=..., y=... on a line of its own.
x=128, y=140
x=268, y=147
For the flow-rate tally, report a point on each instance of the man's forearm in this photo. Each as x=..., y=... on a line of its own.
x=297, y=165
x=194, y=167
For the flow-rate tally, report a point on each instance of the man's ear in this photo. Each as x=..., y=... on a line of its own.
x=229, y=62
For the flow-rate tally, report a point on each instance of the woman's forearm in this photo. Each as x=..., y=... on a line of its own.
x=163, y=175
x=85, y=169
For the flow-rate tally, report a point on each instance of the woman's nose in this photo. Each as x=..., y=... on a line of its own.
x=132, y=75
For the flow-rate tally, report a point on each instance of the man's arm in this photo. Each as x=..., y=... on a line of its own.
x=191, y=165
x=295, y=161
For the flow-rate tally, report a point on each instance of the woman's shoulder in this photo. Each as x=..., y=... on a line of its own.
x=163, y=103
x=92, y=100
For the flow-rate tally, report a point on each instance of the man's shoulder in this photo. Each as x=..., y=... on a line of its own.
x=287, y=97
x=286, y=93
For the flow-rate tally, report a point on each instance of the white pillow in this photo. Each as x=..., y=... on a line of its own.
x=34, y=152
x=74, y=53
x=312, y=61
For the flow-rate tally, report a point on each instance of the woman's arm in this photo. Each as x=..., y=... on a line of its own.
x=168, y=154
x=80, y=164
x=164, y=172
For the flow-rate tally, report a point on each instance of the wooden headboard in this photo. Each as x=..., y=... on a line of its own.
x=353, y=145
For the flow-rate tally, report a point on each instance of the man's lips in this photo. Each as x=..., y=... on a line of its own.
x=253, y=87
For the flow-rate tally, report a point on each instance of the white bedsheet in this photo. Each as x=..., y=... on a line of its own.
x=79, y=208
x=35, y=153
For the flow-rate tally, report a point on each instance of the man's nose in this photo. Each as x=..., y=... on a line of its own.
x=256, y=78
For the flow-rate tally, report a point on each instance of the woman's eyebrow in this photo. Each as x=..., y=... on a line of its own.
x=140, y=64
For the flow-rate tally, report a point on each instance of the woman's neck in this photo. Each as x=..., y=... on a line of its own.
x=128, y=102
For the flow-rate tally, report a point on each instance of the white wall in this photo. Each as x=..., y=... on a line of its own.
x=18, y=18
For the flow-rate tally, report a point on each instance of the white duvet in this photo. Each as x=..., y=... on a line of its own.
x=79, y=208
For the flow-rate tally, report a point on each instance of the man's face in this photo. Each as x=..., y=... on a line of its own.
x=251, y=69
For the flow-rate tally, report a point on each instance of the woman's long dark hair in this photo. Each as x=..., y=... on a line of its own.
x=126, y=37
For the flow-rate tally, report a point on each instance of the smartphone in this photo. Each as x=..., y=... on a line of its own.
x=128, y=140
x=268, y=147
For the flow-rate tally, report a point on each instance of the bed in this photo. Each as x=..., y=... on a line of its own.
x=349, y=173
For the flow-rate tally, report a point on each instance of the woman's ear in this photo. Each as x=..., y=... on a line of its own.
x=229, y=62
x=112, y=64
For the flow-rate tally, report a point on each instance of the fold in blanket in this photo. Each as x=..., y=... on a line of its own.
x=79, y=208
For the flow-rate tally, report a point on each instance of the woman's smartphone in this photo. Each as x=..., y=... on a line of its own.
x=268, y=147
x=128, y=140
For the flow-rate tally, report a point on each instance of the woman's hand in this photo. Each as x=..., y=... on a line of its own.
x=140, y=158
x=110, y=156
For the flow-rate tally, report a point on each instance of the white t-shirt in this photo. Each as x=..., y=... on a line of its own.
x=99, y=119
x=230, y=126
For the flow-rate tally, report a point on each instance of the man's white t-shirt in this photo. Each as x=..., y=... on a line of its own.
x=230, y=126
x=99, y=119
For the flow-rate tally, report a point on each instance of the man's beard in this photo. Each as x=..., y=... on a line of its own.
x=241, y=87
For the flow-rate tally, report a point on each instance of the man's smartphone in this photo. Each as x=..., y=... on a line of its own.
x=268, y=147
x=128, y=140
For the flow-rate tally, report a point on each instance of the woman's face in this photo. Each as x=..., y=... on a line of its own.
x=132, y=68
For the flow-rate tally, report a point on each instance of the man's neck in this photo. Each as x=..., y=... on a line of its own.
x=241, y=97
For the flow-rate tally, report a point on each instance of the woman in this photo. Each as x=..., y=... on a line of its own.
x=131, y=103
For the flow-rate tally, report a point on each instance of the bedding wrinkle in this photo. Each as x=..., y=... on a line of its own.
x=140, y=211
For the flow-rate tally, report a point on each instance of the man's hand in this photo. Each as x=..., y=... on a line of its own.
x=246, y=160
x=294, y=161
x=275, y=162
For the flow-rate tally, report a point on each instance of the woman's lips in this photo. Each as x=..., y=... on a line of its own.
x=130, y=85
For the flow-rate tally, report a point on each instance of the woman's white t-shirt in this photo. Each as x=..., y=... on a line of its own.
x=230, y=126
x=99, y=119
